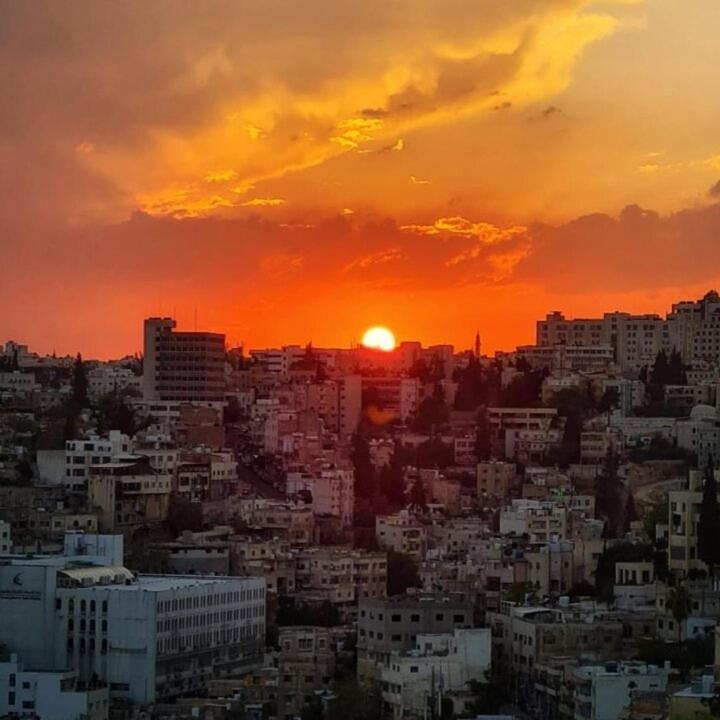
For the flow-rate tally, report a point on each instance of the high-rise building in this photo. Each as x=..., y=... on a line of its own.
x=182, y=366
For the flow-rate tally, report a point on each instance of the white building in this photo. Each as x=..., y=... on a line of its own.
x=47, y=695
x=81, y=455
x=149, y=637
x=439, y=665
x=331, y=489
x=402, y=533
x=602, y=692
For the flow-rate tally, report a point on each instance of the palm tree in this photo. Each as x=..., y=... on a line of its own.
x=680, y=605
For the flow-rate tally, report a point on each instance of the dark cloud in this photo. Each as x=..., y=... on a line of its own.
x=714, y=190
x=639, y=249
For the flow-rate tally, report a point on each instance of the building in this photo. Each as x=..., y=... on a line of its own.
x=603, y=692
x=401, y=533
x=149, y=637
x=81, y=455
x=330, y=487
x=306, y=665
x=495, y=479
x=683, y=518
x=128, y=494
x=440, y=666
x=48, y=695
x=182, y=366
x=394, y=624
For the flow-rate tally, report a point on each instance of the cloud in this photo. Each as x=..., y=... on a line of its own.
x=486, y=233
x=639, y=249
x=714, y=190
x=551, y=110
x=263, y=202
x=220, y=176
x=166, y=94
x=419, y=181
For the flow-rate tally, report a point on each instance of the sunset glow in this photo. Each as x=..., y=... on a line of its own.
x=457, y=165
x=379, y=338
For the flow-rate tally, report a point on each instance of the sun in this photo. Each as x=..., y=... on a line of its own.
x=379, y=338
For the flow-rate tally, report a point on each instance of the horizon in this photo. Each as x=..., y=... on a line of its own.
x=458, y=347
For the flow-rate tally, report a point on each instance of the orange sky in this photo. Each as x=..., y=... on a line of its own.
x=293, y=170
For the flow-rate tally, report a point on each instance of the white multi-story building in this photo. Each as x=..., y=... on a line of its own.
x=81, y=455
x=47, y=695
x=149, y=637
x=109, y=378
x=402, y=533
x=331, y=488
x=603, y=692
x=439, y=666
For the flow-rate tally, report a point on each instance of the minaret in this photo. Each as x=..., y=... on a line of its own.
x=477, y=344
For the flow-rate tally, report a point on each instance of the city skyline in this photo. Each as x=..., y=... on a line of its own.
x=457, y=166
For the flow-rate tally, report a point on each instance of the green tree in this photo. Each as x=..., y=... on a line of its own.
x=364, y=471
x=483, y=437
x=392, y=482
x=80, y=397
x=680, y=605
x=709, y=526
x=609, y=495
x=417, y=499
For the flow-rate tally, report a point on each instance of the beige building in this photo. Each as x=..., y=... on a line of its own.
x=306, y=664
x=402, y=533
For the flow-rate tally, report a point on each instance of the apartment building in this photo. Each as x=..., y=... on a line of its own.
x=182, y=366
x=402, y=533
x=387, y=625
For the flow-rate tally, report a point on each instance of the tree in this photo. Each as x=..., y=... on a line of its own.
x=432, y=411
x=416, y=498
x=631, y=514
x=392, y=482
x=609, y=495
x=434, y=453
x=364, y=471
x=483, y=439
x=709, y=526
x=680, y=606
x=79, y=384
x=610, y=556
x=402, y=573
x=609, y=400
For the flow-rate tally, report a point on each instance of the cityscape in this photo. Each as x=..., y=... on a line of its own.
x=382, y=531
x=359, y=360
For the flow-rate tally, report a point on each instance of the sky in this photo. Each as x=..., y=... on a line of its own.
x=299, y=170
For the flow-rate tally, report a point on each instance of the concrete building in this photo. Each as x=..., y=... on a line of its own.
x=495, y=479
x=306, y=665
x=81, y=455
x=402, y=533
x=330, y=487
x=683, y=518
x=438, y=668
x=394, y=624
x=48, y=695
x=182, y=366
x=603, y=692
x=149, y=637
x=128, y=495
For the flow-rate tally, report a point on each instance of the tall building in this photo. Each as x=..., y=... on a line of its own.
x=182, y=366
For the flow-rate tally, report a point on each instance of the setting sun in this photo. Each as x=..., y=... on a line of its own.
x=379, y=338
